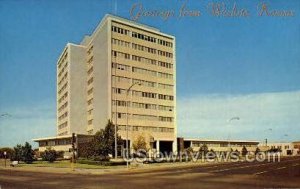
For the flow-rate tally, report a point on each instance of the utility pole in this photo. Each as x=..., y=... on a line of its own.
x=5, y=158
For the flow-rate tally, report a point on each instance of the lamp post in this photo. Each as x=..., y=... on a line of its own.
x=115, y=66
x=4, y=158
x=266, y=140
x=229, y=121
x=127, y=92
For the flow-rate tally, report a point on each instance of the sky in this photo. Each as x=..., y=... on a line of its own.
x=246, y=67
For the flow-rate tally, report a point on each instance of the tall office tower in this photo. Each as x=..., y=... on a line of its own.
x=124, y=72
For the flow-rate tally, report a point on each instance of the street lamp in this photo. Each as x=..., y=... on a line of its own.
x=127, y=92
x=231, y=119
x=270, y=130
x=115, y=66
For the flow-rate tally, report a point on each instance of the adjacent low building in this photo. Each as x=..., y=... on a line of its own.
x=63, y=143
x=217, y=145
x=285, y=148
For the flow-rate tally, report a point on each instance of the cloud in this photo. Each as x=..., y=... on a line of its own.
x=207, y=116
x=27, y=122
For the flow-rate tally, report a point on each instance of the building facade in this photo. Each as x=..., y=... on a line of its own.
x=124, y=72
x=285, y=148
x=219, y=145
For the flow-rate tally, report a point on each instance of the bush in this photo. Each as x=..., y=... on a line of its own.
x=60, y=154
x=49, y=155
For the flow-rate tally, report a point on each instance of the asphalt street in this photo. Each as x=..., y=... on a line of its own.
x=283, y=174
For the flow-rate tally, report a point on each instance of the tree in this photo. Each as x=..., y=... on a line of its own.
x=17, y=156
x=140, y=143
x=103, y=143
x=49, y=155
x=244, y=151
x=23, y=153
x=27, y=153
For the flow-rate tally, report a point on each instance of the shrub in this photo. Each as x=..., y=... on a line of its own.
x=49, y=155
x=244, y=151
x=101, y=163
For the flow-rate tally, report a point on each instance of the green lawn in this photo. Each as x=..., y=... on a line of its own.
x=57, y=164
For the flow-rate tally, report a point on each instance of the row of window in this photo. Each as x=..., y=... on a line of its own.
x=90, y=71
x=90, y=101
x=90, y=50
x=165, y=64
x=120, y=66
x=146, y=128
x=143, y=48
x=142, y=117
x=62, y=107
x=63, y=79
x=90, y=60
x=143, y=94
x=90, y=111
x=165, y=97
x=62, y=60
x=152, y=73
x=120, y=54
x=63, y=88
x=144, y=71
x=120, y=79
x=165, y=86
x=55, y=142
x=142, y=105
x=63, y=125
x=166, y=54
x=63, y=97
x=63, y=133
x=63, y=69
x=119, y=30
x=141, y=36
x=90, y=80
x=144, y=83
x=63, y=116
x=90, y=91
x=143, y=60
x=120, y=42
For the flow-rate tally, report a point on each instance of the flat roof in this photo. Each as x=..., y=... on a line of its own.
x=57, y=137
